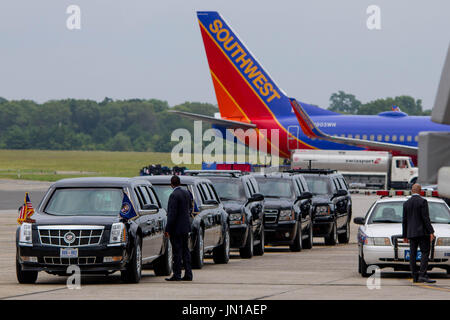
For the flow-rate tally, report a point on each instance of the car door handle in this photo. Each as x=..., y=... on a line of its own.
x=150, y=222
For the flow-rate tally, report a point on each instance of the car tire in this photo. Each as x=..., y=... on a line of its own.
x=246, y=252
x=198, y=255
x=133, y=271
x=308, y=243
x=259, y=248
x=163, y=266
x=345, y=237
x=362, y=267
x=221, y=254
x=331, y=239
x=297, y=245
x=25, y=277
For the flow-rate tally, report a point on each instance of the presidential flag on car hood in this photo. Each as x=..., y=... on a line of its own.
x=26, y=211
x=127, y=211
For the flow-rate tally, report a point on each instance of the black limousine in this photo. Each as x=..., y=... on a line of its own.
x=78, y=223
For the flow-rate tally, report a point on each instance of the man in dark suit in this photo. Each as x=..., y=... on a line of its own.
x=179, y=210
x=417, y=229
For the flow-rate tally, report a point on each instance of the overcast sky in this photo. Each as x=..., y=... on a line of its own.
x=153, y=49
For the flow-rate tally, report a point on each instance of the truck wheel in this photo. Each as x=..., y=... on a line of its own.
x=297, y=245
x=163, y=266
x=25, y=277
x=259, y=248
x=308, y=243
x=331, y=239
x=345, y=237
x=221, y=254
x=198, y=253
x=247, y=251
x=133, y=271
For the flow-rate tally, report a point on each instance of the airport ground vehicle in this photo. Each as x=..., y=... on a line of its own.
x=287, y=210
x=361, y=169
x=78, y=223
x=380, y=241
x=245, y=206
x=210, y=222
x=332, y=204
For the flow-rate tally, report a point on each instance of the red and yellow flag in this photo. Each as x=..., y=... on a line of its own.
x=26, y=210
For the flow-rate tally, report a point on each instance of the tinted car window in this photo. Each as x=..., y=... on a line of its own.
x=276, y=188
x=85, y=202
x=163, y=192
x=229, y=189
x=319, y=184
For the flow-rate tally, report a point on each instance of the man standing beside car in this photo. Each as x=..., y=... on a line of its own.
x=179, y=210
x=417, y=229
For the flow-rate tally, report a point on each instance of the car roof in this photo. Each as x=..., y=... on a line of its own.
x=165, y=179
x=95, y=182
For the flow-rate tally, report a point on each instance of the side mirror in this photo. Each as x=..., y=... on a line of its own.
x=256, y=197
x=340, y=193
x=151, y=207
x=359, y=220
x=305, y=195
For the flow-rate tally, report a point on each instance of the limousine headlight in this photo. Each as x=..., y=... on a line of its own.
x=286, y=215
x=25, y=234
x=118, y=233
x=443, y=241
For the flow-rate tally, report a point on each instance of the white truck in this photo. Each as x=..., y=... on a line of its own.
x=361, y=169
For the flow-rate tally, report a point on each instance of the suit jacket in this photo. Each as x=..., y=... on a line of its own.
x=179, y=210
x=416, y=218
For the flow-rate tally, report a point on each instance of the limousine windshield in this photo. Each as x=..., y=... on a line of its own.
x=85, y=202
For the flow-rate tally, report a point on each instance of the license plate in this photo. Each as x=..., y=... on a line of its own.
x=68, y=253
x=408, y=255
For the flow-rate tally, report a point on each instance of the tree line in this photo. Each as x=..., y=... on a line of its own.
x=131, y=125
x=121, y=125
x=347, y=103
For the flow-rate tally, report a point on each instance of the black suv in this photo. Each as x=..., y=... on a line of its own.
x=210, y=222
x=78, y=223
x=245, y=206
x=332, y=205
x=287, y=210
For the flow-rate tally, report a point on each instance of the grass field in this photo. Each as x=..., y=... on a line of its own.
x=47, y=165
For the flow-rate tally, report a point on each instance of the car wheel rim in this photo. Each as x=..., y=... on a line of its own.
x=227, y=243
x=201, y=247
x=138, y=259
x=169, y=256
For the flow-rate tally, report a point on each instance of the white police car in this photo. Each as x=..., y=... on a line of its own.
x=380, y=241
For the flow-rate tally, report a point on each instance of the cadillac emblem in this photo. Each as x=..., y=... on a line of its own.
x=69, y=237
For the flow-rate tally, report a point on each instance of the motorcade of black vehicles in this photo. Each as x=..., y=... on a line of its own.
x=78, y=223
x=287, y=210
x=210, y=222
x=244, y=204
x=332, y=204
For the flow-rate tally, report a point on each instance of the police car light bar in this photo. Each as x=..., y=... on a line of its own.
x=391, y=193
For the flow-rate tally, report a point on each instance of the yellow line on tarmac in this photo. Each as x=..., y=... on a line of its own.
x=429, y=287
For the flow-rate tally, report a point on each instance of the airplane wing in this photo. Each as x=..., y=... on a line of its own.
x=229, y=124
x=311, y=130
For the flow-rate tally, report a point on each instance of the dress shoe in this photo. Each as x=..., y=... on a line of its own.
x=186, y=278
x=173, y=279
x=425, y=279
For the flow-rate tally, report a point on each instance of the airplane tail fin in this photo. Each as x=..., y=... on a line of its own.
x=244, y=90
